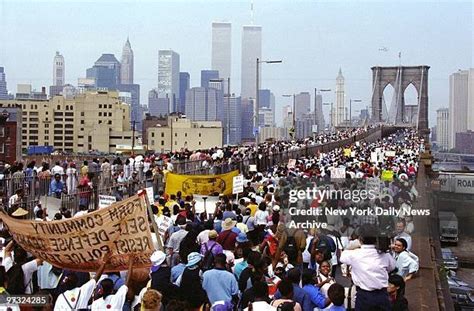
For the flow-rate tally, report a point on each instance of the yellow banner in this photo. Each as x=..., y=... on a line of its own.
x=200, y=184
x=347, y=152
x=80, y=243
x=387, y=175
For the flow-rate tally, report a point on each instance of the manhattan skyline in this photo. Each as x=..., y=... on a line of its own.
x=314, y=39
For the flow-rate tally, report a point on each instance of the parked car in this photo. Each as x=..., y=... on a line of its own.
x=450, y=261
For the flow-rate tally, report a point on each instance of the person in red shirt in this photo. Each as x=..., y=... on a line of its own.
x=227, y=237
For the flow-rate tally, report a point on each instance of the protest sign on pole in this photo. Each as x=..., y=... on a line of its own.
x=80, y=243
x=106, y=200
x=252, y=167
x=163, y=225
x=150, y=194
x=338, y=173
x=291, y=163
x=238, y=184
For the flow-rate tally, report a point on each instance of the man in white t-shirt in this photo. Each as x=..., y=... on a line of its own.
x=78, y=297
x=109, y=301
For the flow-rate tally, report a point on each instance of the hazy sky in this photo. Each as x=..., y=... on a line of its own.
x=313, y=38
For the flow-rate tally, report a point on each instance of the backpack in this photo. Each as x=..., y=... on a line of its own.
x=16, y=287
x=291, y=249
x=208, y=260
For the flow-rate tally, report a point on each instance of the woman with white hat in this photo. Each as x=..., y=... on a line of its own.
x=160, y=275
x=190, y=282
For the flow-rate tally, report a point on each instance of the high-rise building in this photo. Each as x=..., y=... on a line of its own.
x=265, y=117
x=126, y=70
x=59, y=68
x=232, y=124
x=184, y=79
x=302, y=104
x=264, y=97
x=465, y=142
x=221, y=49
x=304, y=125
x=158, y=107
x=3, y=84
x=461, y=104
x=207, y=75
x=247, y=119
x=319, y=116
x=251, y=50
x=168, y=77
x=201, y=104
x=442, y=122
x=105, y=72
x=339, y=117
x=218, y=85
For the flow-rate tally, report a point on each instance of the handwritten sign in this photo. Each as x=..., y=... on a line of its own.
x=390, y=153
x=164, y=223
x=238, y=184
x=106, y=200
x=338, y=173
x=291, y=163
x=150, y=195
x=80, y=243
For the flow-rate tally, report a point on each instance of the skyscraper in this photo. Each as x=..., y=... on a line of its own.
x=221, y=49
x=247, y=119
x=126, y=70
x=184, y=79
x=302, y=104
x=232, y=121
x=251, y=50
x=3, y=84
x=58, y=70
x=201, y=104
x=207, y=75
x=340, y=105
x=461, y=104
x=168, y=77
x=319, y=121
x=105, y=72
x=442, y=121
x=157, y=106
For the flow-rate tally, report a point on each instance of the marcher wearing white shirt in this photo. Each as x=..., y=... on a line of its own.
x=78, y=297
x=109, y=301
x=400, y=231
x=370, y=269
x=406, y=262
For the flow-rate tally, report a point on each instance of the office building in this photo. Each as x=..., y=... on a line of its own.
x=59, y=70
x=10, y=133
x=302, y=104
x=221, y=53
x=89, y=121
x=158, y=107
x=105, y=72
x=126, y=70
x=135, y=108
x=442, y=126
x=232, y=120
x=340, y=111
x=201, y=104
x=25, y=91
x=3, y=84
x=465, y=142
x=168, y=77
x=181, y=132
x=304, y=126
x=273, y=133
x=251, y=50
x=265, y=117
x=151, y=121
x=207, y=75
x=184, y=84
x=318, y=112
x=461, y=104
x=247, y=119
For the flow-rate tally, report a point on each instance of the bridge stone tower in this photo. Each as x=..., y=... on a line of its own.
x=400, y=77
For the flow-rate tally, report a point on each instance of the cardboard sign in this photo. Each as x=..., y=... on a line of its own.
x=106, y=200
x=373, y=184
x=163, y=223
x=291, y=163
x=150, y=194
x=208, y=205
x=238, y=184
x=80, y=243
x=338, y=173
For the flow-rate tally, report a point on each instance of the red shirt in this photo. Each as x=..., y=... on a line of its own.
x=227, y=239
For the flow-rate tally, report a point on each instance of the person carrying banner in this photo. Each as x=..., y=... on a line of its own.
x=75, y=298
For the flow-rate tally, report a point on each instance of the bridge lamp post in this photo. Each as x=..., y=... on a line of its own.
x=255, y=111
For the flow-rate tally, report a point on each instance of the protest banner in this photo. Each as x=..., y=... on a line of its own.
x=106, y=200
x=80, y=243
x=200, y=184
x=238, y=184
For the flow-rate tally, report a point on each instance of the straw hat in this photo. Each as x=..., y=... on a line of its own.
x=228, y=224
x=20, y=212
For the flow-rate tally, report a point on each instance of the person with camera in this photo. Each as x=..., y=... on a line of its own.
x=371, y=266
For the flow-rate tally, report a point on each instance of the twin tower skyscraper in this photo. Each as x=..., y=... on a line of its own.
x=221, y=58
